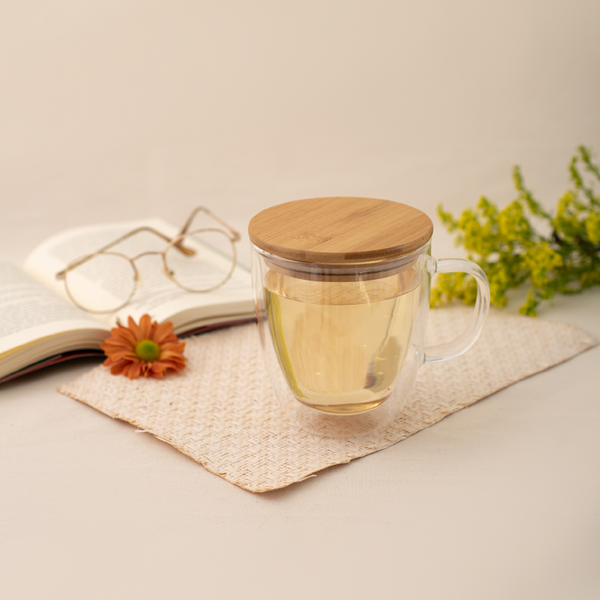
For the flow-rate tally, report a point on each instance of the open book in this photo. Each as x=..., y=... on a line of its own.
x=40, y=325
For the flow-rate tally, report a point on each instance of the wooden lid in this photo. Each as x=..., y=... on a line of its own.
x=340, y=230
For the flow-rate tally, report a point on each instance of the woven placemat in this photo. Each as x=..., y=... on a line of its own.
x=222, y=412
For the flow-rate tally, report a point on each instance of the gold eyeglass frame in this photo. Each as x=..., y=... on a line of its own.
x=231, y=234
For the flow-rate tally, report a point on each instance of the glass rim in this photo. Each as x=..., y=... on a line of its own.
x=375, y=267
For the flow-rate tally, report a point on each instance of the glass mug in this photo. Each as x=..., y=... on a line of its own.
x=346, y=338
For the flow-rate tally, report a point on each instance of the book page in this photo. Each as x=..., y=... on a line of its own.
x=109, y=283
x=31, y=312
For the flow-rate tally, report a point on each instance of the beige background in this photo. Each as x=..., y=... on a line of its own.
x=110, y=110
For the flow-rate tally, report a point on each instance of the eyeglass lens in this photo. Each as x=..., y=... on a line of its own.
x=113, y=277
x=211, y=265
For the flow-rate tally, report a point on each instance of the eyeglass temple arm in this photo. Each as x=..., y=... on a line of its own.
x=236, y=236
x=187, y=251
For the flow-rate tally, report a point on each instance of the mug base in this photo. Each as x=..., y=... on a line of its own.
x=344, y=426
x=356, y=408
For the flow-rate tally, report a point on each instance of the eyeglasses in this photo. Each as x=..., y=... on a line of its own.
x=194, y=260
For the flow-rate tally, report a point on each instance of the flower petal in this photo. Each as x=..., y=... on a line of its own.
x=118, y=368
x=172, y=366
x=125, y=355
x=126, y=335
x=137, y=332
x=177, y=347
x=145, y=327
x=156, y=370
x=170, y=354
x=120, y=340
x=163, y=332
x=134, y=370
x=109, y=347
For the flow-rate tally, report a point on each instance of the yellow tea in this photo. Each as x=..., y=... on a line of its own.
x=341, y=344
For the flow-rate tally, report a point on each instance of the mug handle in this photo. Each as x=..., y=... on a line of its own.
x=464, y=341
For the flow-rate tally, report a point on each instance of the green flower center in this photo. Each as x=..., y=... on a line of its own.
x=147, y=350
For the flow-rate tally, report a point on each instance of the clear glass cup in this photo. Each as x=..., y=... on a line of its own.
x=343, y=342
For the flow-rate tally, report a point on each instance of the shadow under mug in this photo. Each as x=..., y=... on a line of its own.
x=343, y=343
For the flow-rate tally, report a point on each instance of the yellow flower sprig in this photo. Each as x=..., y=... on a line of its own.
x=511, y=251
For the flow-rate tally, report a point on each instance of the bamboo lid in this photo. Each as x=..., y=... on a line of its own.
x=340, y=230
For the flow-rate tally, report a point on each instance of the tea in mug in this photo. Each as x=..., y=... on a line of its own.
x=342, y=344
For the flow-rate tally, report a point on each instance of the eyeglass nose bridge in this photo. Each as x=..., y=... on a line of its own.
x=138, y=277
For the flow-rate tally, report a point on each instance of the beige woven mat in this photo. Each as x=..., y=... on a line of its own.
x=222, y=412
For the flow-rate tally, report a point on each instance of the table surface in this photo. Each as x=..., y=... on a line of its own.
x=112, y=111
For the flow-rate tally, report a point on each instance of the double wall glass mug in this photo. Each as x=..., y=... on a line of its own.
x=342, y=288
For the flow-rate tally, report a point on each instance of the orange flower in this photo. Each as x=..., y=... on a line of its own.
x=147, y=348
